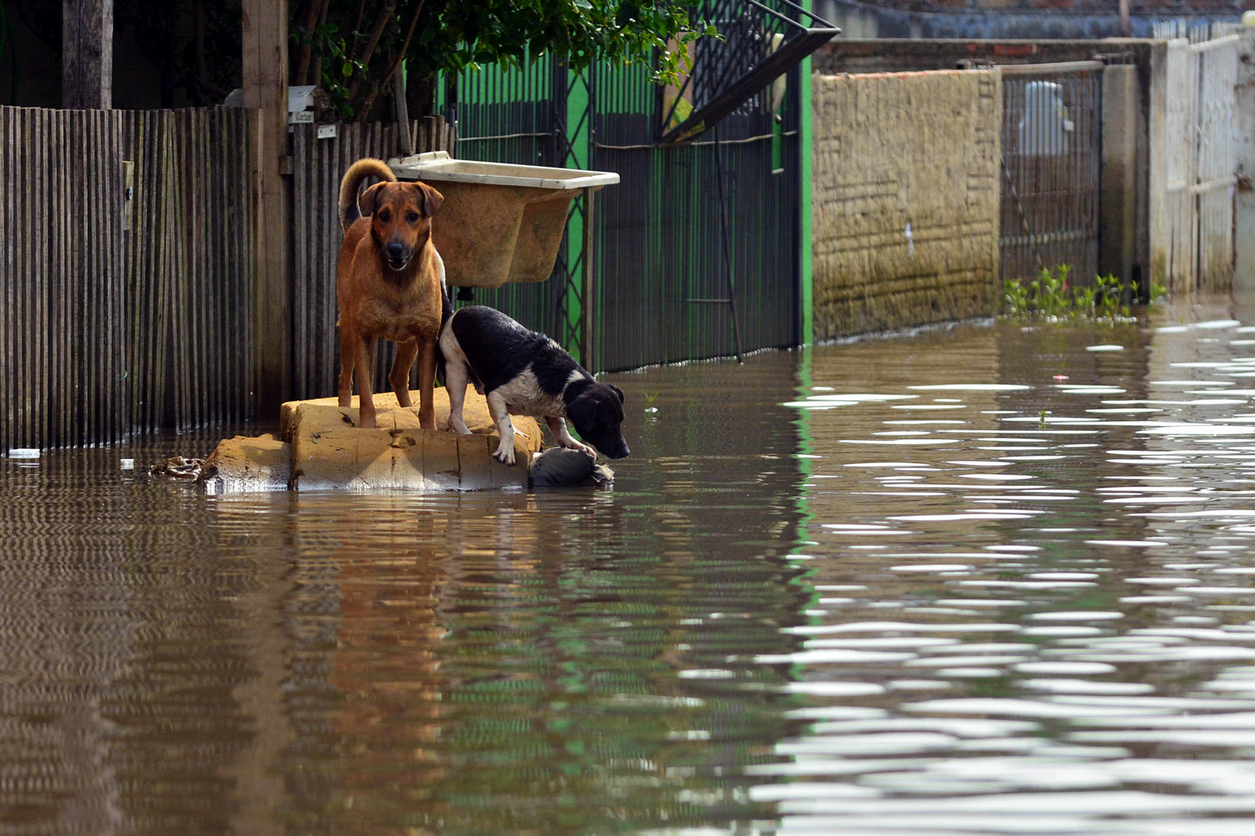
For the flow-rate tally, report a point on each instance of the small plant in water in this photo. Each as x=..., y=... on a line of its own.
x=650, y=397
x=1052, y=296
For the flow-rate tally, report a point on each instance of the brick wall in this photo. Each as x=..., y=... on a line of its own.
x=905, y=196
x=892, y=55
x=1022, y=19
x=1166, y=7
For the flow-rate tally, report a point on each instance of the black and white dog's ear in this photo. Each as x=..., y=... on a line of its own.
x=617, y=391
x=582, y=412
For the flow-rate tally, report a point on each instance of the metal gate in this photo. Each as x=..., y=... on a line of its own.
x=1051, y=133
x=698, y=252
x=1194, y=248
x=696, y=249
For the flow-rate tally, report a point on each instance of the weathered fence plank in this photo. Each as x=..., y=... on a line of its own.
x=1191, y=204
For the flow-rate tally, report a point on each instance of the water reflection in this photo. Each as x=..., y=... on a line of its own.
x=569, y=661
x=985, y=579
x=1041, y=610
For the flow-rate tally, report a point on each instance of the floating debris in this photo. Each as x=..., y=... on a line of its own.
x=178, y=467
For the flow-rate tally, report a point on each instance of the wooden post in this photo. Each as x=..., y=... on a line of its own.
x=404, y=139
x=87, y=54
x=265, y=83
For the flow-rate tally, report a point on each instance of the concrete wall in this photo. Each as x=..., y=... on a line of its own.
x=905, y=199
x=1125, y=218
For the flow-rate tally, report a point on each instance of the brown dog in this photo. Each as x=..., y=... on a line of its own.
x=390, y=283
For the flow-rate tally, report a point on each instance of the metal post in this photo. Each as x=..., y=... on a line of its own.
x=727, y=246
x=586, y=286
x=404, y=139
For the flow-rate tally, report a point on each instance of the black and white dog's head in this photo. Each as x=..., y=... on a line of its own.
x=597, y=413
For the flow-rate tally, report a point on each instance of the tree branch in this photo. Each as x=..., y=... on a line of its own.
x=393, y=69
x=368, y=50
x=312, y=11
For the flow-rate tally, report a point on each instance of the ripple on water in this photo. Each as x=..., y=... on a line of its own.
x=902, y=587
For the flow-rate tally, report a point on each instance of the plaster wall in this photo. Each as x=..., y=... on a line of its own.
x=905, y=199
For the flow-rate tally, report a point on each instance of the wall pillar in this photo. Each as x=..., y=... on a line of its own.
x=1118, y=210
x=1157, y=168
x=1244, y=198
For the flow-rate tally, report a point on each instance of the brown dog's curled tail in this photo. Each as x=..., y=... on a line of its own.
x=359, y=171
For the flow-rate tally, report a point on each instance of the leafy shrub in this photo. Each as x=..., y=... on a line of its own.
x=1051, y=296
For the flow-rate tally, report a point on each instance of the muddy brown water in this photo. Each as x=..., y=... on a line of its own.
x=981, y=579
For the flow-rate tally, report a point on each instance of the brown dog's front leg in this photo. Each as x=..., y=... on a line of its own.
x=365, y=380
x=348, y=357
x=426, y=383
x=399, y=377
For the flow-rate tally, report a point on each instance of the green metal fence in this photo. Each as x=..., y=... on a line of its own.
x=697, y=249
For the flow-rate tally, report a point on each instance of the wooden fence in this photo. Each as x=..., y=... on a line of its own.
x=190, y=267
x=319, y=161
x=62, y=278
x=127, y=292
x=109, y=330
x=1194, y=161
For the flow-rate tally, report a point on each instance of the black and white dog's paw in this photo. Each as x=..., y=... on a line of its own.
x=504, y=453
x=572, y=444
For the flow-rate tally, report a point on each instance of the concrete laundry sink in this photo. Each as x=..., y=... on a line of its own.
x=500, y=222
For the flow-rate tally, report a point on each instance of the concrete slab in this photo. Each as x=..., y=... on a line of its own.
x=326, y=413
x=321, y=448
x=329, y=452
x=442, y=464
x=246, y=464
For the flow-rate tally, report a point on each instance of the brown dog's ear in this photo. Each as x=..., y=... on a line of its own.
x=370, y=198
x=431, y=199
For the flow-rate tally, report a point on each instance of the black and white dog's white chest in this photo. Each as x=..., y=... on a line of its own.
x=525, y=395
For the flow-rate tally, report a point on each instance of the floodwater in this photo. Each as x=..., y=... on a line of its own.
x=985, y=579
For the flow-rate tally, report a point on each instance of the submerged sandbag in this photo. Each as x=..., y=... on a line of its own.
x=561, y=467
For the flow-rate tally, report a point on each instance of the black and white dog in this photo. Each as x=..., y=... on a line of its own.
x=527, y=373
